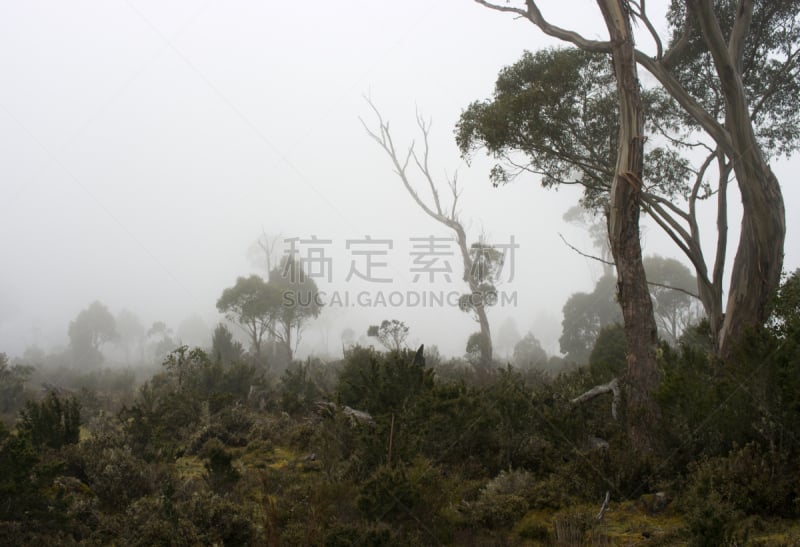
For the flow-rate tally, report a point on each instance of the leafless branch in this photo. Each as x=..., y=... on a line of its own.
x=683, y=245
x=534, y=15
x=722, y=220
x=597, y=258
x=610, y=387
x=641, y=14
x=660, y=200
x=710, y=124
x=699, y=177
x=384, y=139
x=672, y=288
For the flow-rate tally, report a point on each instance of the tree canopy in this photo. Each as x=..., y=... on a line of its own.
x=92, y=328
x=729, y=75
x=250, y=303
x=391, y=334
x=281, y=307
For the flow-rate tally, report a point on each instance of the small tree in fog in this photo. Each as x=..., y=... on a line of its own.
x=92, y=328
x=250, y=303
x=224, y=347
x=281, y=307
x=162, y=344
x=391, y=334
x=297, y=303
x=52, y=422
x=528, y=352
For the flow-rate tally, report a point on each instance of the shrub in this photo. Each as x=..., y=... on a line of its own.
x=712, y=522
x=298, y=391
x=751, y=480
x=53, y=422
x=221, y=474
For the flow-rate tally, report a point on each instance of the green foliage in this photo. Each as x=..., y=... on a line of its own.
x=750, y=480
x=503, y=501
x=496, y=457
x=299, y=302
x=250, y=303
x=769, y=74
x=171, y=404
x=607, y=360
x=52, y=422
x=282, y=306
x=540, y=104
x=116, y=476
x=224, y=347
x=785, y=319
x=674, y=309
x=381, y=383
x=12, y=385
x=298, y=390
x=408, y=495
x=92, y=328
x=585, y=314
x=20, y=486
x=712, y=523
x=528, y=352
x=220, y=521
x=221, y=474
x=35, y=504
x=388, y=494
x=487, y=263
x=391, y=334
x=711, y=406
x=476, y=345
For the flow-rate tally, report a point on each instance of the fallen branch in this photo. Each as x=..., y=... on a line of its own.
x=604, y=507
x=612, y=386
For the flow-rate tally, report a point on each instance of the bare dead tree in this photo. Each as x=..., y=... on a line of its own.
x=434, y=208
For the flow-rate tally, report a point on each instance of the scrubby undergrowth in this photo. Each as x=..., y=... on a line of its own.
x=386, y=449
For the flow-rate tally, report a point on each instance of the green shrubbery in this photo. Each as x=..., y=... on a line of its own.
x=382, y=449
x=52, y=422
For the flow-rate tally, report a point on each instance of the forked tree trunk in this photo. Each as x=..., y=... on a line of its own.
x=641, y=379
x=759, y=258
x=474, y=287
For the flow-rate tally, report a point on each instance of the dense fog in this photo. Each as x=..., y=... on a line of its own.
x=147, y=147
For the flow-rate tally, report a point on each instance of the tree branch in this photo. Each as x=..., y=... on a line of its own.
x=612, y=387
x=722, y=221
x=670, y=287
x=642, y=16
x=534, y=15
x=604, y=507
x=384, y=140
x=741, y=27
x=680, y=44
x=597, y=258
x=710, y=124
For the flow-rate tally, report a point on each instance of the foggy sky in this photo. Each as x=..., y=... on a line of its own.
x=145, y=145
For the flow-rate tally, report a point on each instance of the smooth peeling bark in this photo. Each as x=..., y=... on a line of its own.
x=758, y=263
x=642, y=377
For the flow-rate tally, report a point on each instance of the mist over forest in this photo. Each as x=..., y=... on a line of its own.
x=462, y=273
